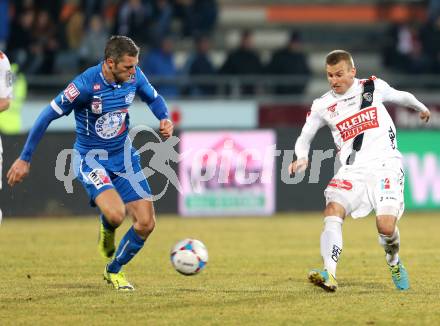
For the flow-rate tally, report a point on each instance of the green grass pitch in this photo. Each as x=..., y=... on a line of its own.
x=51, y=274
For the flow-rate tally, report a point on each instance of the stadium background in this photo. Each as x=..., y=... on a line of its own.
x=395, y=40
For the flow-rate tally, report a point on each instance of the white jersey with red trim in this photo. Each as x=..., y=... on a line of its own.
x=5, y=77
x=346, y=120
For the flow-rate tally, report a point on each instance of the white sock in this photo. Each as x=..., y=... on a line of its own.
x=391, y=245
x=331, y=242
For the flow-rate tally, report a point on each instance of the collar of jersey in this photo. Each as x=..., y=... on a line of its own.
x=349, y=91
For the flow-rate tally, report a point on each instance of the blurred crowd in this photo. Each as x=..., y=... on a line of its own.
x=242, y=61
x=414, y=46
x=38, y=30
x=66, y=36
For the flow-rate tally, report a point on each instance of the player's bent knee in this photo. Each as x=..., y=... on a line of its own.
x=334, y=209
x=146, y=227
x=150, y=225
x=386, y=224
x=115, y=215
x=386, y=229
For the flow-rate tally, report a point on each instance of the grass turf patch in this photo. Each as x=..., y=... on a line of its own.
x=256, y=274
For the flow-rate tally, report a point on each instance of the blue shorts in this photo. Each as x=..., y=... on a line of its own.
x=98, y=175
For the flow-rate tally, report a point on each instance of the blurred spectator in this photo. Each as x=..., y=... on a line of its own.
x=290, y=61
x=403, y=49
x=205, y=16
x=159, y=62
x=197, y=16
x=243, y=61
x=430, y=36
x=22, y=5
x=19, y=43
x=73, y=18
x=92, y=8
x=433, y=9
x=52, y=7
x=163, y=14
x=93, y=43
x=4, y=23
x=200, y=64
x=43, y=45
x=134, y=20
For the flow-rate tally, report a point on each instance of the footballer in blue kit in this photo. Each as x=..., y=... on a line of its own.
x=100, y=98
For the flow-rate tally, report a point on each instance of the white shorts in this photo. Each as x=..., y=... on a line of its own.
x=361, y=189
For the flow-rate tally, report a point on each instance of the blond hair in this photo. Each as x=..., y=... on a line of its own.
x=337, y=56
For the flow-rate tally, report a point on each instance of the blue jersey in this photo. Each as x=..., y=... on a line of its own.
x=101, y=108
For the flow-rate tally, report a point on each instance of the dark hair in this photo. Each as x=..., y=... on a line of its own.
x=337, y=56
x=118, y=46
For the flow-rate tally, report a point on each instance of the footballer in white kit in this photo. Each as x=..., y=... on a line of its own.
x=371, y=176
x=5, y=95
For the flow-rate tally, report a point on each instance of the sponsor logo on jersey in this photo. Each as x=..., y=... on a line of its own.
x=349, y=98
x=96, y=87
x=99, y=178
x=96, y=105
x=358, y=123
x=111, y=124
x=385, y=184
x=341, y=184
x=129, y=98
x=71, y=92
x=368, y=97
x=332, y=108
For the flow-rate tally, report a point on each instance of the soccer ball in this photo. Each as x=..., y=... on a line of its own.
x=189, y=256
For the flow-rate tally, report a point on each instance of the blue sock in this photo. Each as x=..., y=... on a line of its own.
x=106, y=224
x=129, y=246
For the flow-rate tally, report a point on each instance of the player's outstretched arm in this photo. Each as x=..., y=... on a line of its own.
x=403, y=98
x=156, y=104
x=21, y=167
x=298, y=166
x=302, y=145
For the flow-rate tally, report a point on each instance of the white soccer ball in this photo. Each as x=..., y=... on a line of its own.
x=189, y=256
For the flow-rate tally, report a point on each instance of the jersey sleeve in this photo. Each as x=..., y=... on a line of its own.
x=76, y=94
x=390, y=94
x=37, y=131
x=5, y=77
x=149, y=95
x=144, y=89
x=313, y=123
